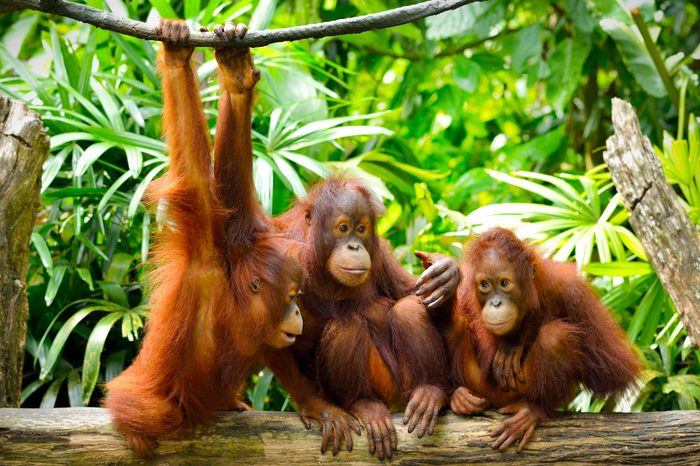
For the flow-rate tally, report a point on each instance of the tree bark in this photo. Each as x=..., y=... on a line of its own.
x=24, y=147
x=381, y=20
x=84, y=435
x=669, y=237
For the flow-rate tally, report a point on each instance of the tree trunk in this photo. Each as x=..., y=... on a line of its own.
x=85, y=436
x=656, y=214
x=24, y=147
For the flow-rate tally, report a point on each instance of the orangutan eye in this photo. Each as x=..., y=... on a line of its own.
x=361, y=229
x=255, y=285
x=343, y=227
x=484, y=285
x=505, y=282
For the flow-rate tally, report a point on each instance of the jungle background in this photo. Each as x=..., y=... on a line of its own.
x=496, y=113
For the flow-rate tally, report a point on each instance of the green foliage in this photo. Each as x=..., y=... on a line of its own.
x=492, y=113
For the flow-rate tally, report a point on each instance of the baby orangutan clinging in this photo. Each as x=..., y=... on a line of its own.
x=525, y=332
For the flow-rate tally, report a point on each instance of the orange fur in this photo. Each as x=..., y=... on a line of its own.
x=205, y=327
x=569, y=335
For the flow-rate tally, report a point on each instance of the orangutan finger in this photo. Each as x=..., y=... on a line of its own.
x=525, y=438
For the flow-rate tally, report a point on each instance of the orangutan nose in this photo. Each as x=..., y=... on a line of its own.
x=497, y=301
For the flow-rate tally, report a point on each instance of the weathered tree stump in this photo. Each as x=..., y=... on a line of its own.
x=85, y=436
x=24, y=147
x=656, y=214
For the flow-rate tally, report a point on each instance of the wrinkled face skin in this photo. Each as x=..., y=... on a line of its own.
x=286, y=332
x=351, y=230
x=499, y=292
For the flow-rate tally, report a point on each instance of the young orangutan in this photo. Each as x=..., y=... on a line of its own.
x=234, y=176
x=369, y=339
x=361, y=347
x=226, y=283
x=525, y=332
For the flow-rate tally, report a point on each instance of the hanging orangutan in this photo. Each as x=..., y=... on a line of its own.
x=225, y=284
x=525, y=332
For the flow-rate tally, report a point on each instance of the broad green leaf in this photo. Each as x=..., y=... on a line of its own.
x=584, y=246
x=90, y=155
x=261, y=389
x=93, y=351
x=144, y=64
x=128, y=138
x=474, y=19
x=527, y=45
x=85, y=102
x=43, y=250
x=30, y=389
x=114, y=365
x=316, y=126
x=51, y=394
x=88, y=57
x=90, y=245
x=611, y=9
x=109, y=105
x=686, y=387
x=74, y=389
x=538, y=189
x=114, y=293
x=578, y=14
x=544, y=211
x=113, y=189
x=566, y=63
x=540, y=148
x=141, y=189
x=332, y=134
x=61, y=337
x=310, y=164
x=263, y=178
x=27, y=76
x=647, y=314
x=193, y=8
x=618, y=269
x=60, y=139
x=55, y=281
x=466, y=73
x=262, y=15
x=119, y=267
x=164, y=9
x=84, y=275
x=134, y=159
x=631, y=242
x=52, y=166
x=289, y=176
x=635, y=56
x=561, y=184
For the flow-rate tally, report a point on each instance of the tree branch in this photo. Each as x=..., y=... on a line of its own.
x=85, y=435
x=669, y=237
x=384, y=19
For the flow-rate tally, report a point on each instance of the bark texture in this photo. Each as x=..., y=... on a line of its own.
x=85, y=436
x=657, y=216
x=24, y=147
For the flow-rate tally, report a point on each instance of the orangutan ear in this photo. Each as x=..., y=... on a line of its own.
x=255, y=285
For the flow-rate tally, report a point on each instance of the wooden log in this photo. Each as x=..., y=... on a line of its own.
x=85, y=436
x=657, y=216
x=24, y=147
